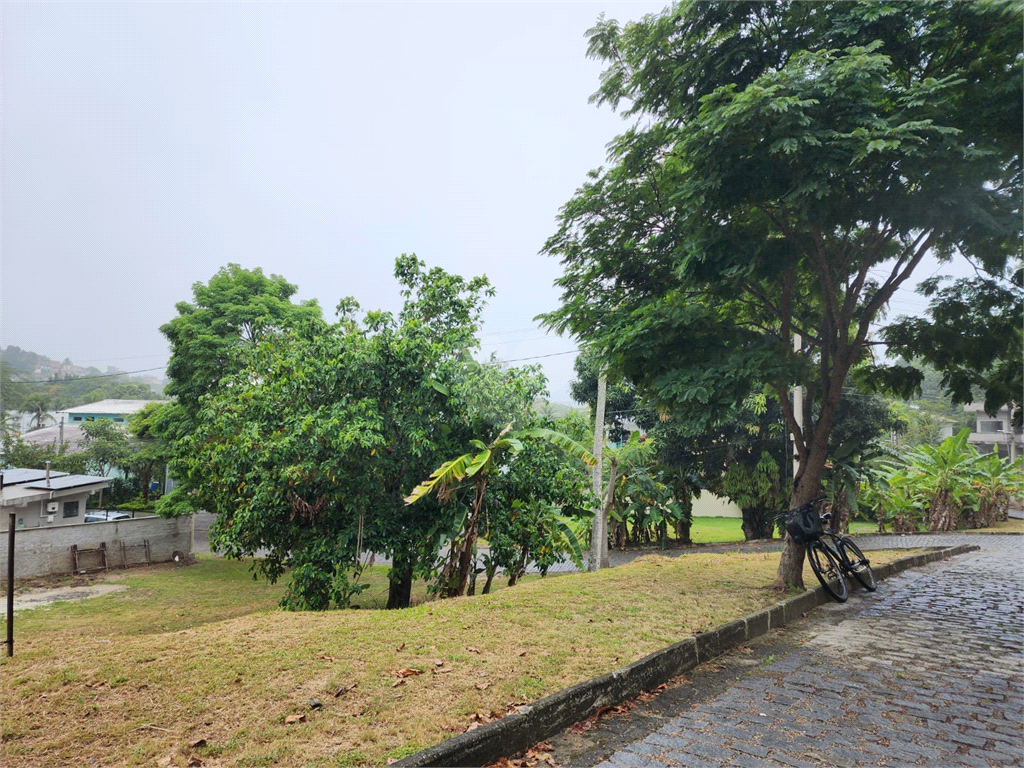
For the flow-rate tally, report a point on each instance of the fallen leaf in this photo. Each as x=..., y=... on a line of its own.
x=344, y=689
x=327, y=657
x=471, y=649
x=195, y=762
x=523, y=653
x=236, y=681
x=400, y=647
x=543, y=746
x=473, y=726
x=392, y=760
x=409, y=672
x=438, y=663
x=291, y=719
x=163, y=762
x=443, y=671
x=482, y=686
x=197, y=744
x=398, y=682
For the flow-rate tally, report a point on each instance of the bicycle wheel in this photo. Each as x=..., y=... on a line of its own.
x=828, y=570
x=857, y=564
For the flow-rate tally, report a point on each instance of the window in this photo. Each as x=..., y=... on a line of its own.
x=990, y=427
x=76, y=418
x=71, y=508
x=118, y=420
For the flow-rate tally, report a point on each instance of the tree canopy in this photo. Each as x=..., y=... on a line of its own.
x=790, y=166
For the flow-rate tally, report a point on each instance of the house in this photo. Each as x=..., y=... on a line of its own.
x=995, y=434
x=56, y=435
x=117, y=411
x=41, y=498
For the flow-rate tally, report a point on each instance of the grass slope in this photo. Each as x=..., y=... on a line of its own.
x=201, y=653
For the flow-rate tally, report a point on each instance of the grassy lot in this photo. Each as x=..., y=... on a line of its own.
x=710, y=530
x=200, y=655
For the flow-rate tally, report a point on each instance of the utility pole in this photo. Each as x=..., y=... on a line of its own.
x=798, y=409
x=598, y=557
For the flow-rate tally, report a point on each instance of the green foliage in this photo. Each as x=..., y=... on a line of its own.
x=311, y=446
x=946, y=486
x=972, y=335
x=105, y=446
x=491, y=461
x=19, y=453
x=236, y=310
x=791, y=166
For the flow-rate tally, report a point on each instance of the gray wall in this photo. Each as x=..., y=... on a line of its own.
x=42, y=552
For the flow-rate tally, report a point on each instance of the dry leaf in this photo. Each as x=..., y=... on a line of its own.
x=471, y=649
x=400, y=647
x=163, y=762
x=482, y=686
x=438, y=663
x=473, y=726
x=392, y=760
x=409, y=672
x=291, y=719
x=543, y=747
x=327, y=657
x=398, y=682
x=344, y=689
x=197, y=744
x=523, y=653
x=442, y=671
x=195, y=762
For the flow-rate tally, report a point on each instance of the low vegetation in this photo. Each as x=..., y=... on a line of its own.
x=199, y=663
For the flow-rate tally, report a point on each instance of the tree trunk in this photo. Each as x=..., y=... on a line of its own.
x=942, y=513
x=757, y=523
x=683, y=531
x=399, y=586
x=466, y=559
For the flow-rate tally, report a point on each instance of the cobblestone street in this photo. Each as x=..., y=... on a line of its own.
x=926, y=671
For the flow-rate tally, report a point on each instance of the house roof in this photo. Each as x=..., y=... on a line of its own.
x=22, y=486
x=980, y=408
x=65, y=482
x=19, y=476
x=73, y=435
x=119, y=407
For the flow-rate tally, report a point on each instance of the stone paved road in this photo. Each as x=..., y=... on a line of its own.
x=926, y=671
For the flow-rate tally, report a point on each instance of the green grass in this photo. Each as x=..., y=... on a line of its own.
x=202, y=653
x=715, y=530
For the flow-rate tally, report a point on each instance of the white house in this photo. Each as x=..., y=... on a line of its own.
x=41, y=498
x=995, y=434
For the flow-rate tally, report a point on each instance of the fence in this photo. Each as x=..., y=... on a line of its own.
x=40, y=552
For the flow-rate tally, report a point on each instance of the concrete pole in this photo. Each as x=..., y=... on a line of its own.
x=598, y=556
x=798, y=409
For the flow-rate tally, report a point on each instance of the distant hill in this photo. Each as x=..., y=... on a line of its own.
x=29, y=380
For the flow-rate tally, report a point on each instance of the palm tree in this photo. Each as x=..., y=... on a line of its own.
x=38, y=404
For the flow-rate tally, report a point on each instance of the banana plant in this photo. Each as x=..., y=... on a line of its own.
x=474, y=470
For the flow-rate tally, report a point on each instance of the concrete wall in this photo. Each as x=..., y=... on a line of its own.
x=40, y=552
x=709, y=505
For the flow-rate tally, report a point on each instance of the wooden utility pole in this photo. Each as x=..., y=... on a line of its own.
x=598, y=557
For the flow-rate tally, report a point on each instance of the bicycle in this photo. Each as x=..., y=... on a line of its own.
x=830, y=555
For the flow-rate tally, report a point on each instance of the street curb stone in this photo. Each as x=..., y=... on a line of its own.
x=555, y=713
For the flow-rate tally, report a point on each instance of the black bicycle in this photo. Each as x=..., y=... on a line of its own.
x=829, y=554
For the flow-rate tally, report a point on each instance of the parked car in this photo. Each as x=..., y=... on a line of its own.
x=103, y=515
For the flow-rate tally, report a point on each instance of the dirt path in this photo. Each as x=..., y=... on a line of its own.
x=38, y=597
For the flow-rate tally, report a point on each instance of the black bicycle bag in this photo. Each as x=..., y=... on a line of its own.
x=804, y=524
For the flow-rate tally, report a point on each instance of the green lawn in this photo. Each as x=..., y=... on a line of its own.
x=713, y=530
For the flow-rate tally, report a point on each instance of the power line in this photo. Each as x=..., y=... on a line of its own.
x=88, y=378
x=535, y=357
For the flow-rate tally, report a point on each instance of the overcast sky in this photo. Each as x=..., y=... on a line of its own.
x=145, y=145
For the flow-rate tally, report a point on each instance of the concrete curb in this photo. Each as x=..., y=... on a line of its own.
x=554, y=713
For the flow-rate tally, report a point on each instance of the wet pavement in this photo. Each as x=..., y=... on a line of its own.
x=925, y=671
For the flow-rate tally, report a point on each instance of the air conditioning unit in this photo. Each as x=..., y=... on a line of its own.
x=52, y=506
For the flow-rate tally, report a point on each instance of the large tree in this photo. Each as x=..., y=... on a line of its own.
x=791, y=165
x=210, y=338
x=309, y=451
